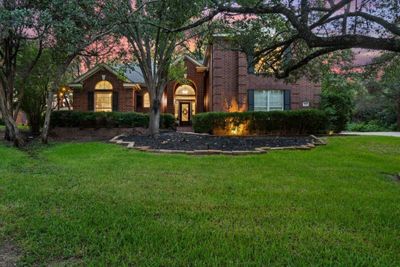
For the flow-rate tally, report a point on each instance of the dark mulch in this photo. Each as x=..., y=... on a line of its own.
x=189, y=142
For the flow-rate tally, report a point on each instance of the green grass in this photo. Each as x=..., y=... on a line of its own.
x=104, y=205
x=23, y=128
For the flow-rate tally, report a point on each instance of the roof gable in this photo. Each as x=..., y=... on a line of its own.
x=194, y=61
x=96, y=69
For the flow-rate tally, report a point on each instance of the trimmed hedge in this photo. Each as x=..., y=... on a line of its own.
x=106, y=119
x=290, y=122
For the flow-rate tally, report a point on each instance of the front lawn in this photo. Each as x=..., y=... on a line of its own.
x=101, y=204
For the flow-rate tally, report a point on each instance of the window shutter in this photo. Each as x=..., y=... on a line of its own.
x=90, y=101
x=287, y=99
x=250, y=64
x=115, y=103
x=250, y=98
x=139, y=101
x=287, y=56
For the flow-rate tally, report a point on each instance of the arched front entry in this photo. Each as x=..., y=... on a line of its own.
x=184, y=104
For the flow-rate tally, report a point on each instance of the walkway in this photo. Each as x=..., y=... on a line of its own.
x=393, y=134
x=184, y=129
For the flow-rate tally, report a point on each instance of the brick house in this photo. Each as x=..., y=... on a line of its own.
x=221, y=82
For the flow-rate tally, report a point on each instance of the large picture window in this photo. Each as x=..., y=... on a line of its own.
x=103, y=101
x=103, y=97
x=268, y=100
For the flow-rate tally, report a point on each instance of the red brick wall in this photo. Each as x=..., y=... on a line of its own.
x=230, y=80
x=197, y=80
x=139, y=106
x=126, y=96
x=227, y=79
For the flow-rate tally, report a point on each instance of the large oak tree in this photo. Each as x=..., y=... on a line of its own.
x=312, y=28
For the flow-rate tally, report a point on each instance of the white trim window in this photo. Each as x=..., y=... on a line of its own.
x=268, y=100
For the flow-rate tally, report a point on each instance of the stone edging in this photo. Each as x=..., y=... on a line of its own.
x=259, y=150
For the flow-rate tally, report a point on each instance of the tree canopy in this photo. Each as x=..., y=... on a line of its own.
x=146, y=25
x=308, y=29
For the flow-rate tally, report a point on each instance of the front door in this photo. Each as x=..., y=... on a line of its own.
x=184, y=113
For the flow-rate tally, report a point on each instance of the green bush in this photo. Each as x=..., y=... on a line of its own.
x=167, y=121
x=371, y=126
x=338, y=107
x=1, y=121
x=106, y=119
x=274, y=122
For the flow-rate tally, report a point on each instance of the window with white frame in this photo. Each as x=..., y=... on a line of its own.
x=268, y=100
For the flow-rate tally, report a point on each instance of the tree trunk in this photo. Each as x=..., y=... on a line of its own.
x=54, y=88
x=12, y=132
x=154, y=123
x=34, y=124
x=46, y=124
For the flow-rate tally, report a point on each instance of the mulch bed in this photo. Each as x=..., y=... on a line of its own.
x=190, y=142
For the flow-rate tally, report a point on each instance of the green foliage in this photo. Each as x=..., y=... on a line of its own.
x=36, y=85
x=106, y=119
x=274, y=122
x=383, y=85
x=338, y=108
x=167, y=121
x=1, y=121
x=74, y=25
x=258, y=36
x=177, y=72
x=375, y=108
x=337, y=98
x=369, y=126
x=18, y=15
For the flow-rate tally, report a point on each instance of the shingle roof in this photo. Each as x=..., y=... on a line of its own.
x=134, y=74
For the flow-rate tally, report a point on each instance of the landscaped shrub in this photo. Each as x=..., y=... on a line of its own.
x=370, y=126
x=106, y=119
x=338, y=107
x=274, y=122
x=375, y=109
x=167, y=121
